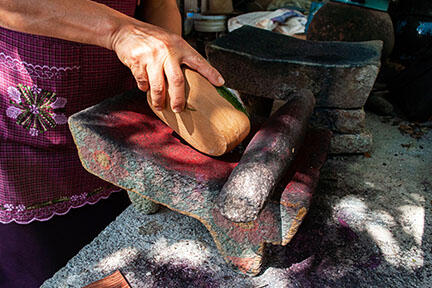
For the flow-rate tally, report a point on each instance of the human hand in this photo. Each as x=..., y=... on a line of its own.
x=155, y=56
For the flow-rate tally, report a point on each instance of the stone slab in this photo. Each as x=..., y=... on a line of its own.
x=339, y=120
x=267, y=64
x=121, y=141
x=351, y=143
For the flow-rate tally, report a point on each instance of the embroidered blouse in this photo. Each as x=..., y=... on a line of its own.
x=42, y=82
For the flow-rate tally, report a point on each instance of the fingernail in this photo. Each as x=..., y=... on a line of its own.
x=177, y=109
x=221, y=81
x=158, y=108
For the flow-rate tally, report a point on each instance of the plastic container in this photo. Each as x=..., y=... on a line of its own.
x=210, y=23
x=188, y=23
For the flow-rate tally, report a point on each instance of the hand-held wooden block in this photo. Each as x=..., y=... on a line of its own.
x=209, y=122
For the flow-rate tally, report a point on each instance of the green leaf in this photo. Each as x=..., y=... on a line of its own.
x=230, y=97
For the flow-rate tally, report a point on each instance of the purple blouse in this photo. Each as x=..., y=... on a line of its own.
x=42, y=82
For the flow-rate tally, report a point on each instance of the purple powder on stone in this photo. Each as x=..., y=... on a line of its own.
x=346, y=231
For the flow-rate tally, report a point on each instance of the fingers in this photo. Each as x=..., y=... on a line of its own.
x=198, y=63
x=140, y=74
x=157, y=86
x=176, y=84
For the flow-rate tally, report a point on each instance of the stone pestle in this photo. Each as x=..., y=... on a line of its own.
x=266, y=159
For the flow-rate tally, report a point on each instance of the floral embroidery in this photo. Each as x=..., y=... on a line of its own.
x=20, y=208
x=79, y=197
x=34, y=108
x=8, y=207
x=24, y=214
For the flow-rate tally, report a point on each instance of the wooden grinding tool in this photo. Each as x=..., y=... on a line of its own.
x=214, y=121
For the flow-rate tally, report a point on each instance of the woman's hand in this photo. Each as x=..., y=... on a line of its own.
x=155, y=56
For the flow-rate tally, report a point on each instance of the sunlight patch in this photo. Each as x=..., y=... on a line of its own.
x=190, y=251
x=117, y=260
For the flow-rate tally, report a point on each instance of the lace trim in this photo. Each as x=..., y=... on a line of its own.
x=21, y=214
x=36, y=71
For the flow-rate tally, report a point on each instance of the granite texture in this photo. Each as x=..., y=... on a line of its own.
x=351, y=143
x=267, y=64
x=369, y=226
x=265, y=160
x=122, y=142
x=143, y=205
x=339, y=120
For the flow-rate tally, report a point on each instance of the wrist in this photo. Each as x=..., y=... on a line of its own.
x=111, y=28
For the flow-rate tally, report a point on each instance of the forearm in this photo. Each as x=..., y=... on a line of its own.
x=81, y=21
x=162, y=13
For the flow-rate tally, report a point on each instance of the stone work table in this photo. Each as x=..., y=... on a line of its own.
x=121, y=141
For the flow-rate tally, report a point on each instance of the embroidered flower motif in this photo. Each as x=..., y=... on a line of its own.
x=8, y=207
x=34, y=108
x=20, y=208
x=79, y=197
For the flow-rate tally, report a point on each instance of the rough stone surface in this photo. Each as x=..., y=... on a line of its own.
x=351, y=143
x=123, y=142
x=370, y=225
x=339, y=120
x=267, y=64
x=341, y=22
x=265, y=160
x=143, y=205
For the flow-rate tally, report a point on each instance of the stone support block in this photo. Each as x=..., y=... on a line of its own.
x=267, y=64
x=351, y=143
x=339, y=120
